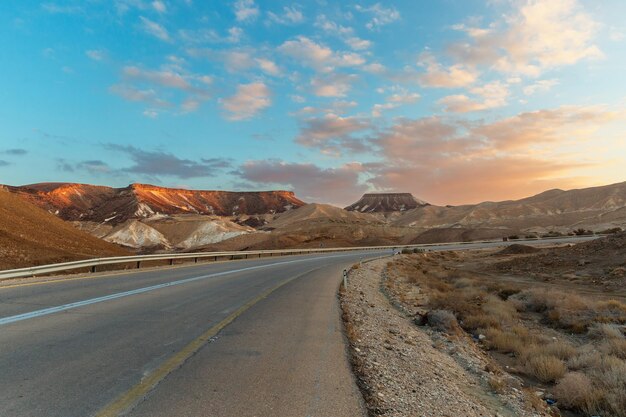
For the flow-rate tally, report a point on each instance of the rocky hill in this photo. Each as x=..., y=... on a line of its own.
x=82, y=202
x=32, y=236
x=595, y=208
x=386, y=202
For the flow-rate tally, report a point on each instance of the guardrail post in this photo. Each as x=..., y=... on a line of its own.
x=172, y=261
x=138, y=264
x=195, y=260
x=93, y=268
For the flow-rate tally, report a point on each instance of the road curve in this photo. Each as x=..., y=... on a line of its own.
x=246, y=338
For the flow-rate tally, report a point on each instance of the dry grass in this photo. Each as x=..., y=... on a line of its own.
x=546, y=368
x=589, y=370
x=575, y=391
x=442, y=320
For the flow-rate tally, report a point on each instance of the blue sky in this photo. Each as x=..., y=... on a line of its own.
x=454, y=101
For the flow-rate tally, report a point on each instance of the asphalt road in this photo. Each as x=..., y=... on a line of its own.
x=245, y=338
x=280, y=350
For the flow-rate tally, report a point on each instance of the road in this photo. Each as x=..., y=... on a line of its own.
x=246, y=338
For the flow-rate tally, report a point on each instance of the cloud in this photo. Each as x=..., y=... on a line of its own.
x=536, y=36
x=154, y=29
x=159, y=6
x=397, y=99
x=309, y=181
x=195, y=88
x=94, y=166
x=492, y=95
x=358, y=44
x=332, y=133
x=540, y=86
x=444, y=77
x=168, y=79
x=201, y=36
x=95, y=54
x=246, y=10
x=380, y=15
x=54, y=8
x=134, y=94
x=334, y=85
x=15, y=152
x=460, y=162
x=290, y=15
x=318, y=56
x=4, y=163
x=158, y=163
x=268, y=66
x=248, y=101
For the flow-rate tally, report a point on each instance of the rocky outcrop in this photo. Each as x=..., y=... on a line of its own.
x=82, y=202
x=386, y=202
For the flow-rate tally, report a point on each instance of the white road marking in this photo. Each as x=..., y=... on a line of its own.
x=64, y=307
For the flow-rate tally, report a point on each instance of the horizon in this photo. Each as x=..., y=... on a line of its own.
x=454, y=102
x=295, y=193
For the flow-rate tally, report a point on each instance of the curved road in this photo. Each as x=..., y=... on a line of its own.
x=246, y=338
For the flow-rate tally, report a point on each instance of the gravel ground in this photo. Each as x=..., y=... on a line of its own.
x=407, y=370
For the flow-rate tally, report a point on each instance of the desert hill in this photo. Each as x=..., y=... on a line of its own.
x=83, y=202
x=595, y=208
x=386, y=202
x=31, y=236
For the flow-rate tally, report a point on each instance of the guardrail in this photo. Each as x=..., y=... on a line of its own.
x=94, y=263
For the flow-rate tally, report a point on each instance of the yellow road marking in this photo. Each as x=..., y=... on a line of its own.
x=132, y=396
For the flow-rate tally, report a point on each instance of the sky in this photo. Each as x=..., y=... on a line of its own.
x=455, y=101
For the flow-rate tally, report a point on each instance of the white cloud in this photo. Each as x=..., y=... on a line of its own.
x=334, y=85
x=358, y=44
x=268, y=66
x=246, y=10
x=248, y=101
x=444, y=77
x=492, y=95
x=159, y=6
x=380, y=15
x=538, y=35
x=290, y=15
x=134, y=94
x=154, y=29
x=540, y=86
x=320, y=57
x=95, y=54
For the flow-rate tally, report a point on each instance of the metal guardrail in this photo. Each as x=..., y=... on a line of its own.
x=94, y=263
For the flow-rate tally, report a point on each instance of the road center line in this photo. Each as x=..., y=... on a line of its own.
x=64, y=307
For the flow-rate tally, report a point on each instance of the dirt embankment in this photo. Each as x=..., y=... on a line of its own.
x=407, y=370
x=31, y=236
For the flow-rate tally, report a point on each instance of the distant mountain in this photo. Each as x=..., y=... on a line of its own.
x=386, y=202
x=594, y=208
x=82, y=202
x=32, y=236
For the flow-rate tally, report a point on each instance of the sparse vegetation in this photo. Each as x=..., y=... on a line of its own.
x=571, y=342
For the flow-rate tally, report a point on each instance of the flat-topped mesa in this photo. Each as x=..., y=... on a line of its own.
x=116, y=205
x=386, y=202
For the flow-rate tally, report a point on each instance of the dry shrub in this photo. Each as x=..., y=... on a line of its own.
x=546, y=368
x=442, y=320
x=497, y=384
x=575, y=391
x=615, y=347
x=600, y=331
x=503, y=341
x=464, y=283
x=610, y=381
x=560, y=349
x=480, y=321
x=500, y=310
